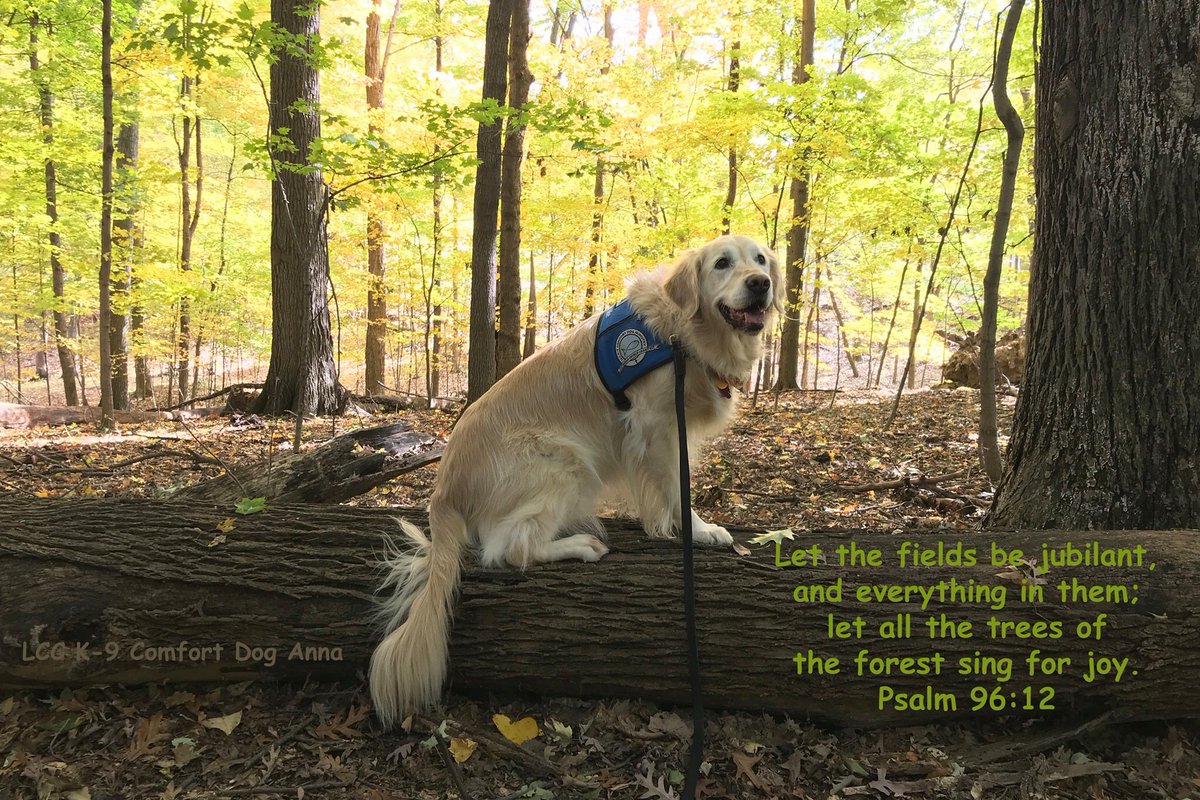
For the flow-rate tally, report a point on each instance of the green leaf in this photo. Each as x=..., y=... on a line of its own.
x=250, y=505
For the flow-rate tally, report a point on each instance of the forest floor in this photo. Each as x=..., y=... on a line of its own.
x=805, y=460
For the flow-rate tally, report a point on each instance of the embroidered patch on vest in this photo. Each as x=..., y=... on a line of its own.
x=626, y=350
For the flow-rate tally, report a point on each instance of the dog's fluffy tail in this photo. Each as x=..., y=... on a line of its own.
x=408, y=667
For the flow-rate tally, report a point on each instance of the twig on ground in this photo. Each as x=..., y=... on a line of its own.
x=292, y=790
x=196, y=457
x=451, y=765
x=920, y=481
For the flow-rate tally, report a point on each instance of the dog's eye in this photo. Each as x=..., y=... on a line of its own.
x=722, y=263
x=760, y=258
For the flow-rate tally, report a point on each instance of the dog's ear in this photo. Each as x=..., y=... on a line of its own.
x=683, y=283
x=778, y=287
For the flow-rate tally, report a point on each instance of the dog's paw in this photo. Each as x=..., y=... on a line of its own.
x=584, y=547
x=598, y=549
x=705, y=533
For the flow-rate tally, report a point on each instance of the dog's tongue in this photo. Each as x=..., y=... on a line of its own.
x=749, y=317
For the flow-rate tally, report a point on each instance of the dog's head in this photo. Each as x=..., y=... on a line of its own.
x=733, y=279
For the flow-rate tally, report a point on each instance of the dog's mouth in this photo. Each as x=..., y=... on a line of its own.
x=748, y=320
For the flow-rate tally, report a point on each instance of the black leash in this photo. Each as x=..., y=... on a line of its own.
x=696, y=756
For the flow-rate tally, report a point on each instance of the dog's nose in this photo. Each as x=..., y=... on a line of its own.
x=758, y=284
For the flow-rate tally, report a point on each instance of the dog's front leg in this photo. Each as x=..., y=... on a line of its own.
x=654, y=485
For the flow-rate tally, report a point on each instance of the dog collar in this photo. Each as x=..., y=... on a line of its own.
x=626, y=350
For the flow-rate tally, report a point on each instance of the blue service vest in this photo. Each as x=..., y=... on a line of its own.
x=626, y=350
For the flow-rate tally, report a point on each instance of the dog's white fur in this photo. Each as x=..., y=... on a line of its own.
x=528, y=461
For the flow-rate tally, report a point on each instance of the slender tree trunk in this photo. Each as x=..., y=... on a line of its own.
x=1107, y=425
x=797, y=235
x=433, y=311
x=106, y=200
x=481, y=356
x=731, y=187
x=595, y=261
x=122, y=283
x=887, y=338
x=508, y=342
x=596, y=257
x=914, y=330
x=302, y=377
x=841, y=325
x=531, y=311
x=189, y=221
x=377, y=318
x=989, y=449
x=62, y=326
x=142, y=387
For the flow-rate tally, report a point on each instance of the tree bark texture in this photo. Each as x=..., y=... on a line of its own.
x=481, y=355
x=301, y=377
x=989, y=449
x=508, y=340
x=1107, y=428
x=62, y=326
x=118, y=574
x=374, y=365
x=797, y=234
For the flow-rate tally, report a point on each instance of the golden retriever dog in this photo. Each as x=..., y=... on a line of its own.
x=527, y=462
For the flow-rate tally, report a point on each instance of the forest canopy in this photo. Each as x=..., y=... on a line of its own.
x=638, y=117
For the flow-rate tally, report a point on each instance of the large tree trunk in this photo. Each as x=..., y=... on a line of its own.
x=301, y=377
x=481, y=354
x=508, y=339
x=1107, y=426
x=97, y=572
x=797, y=234
x=62, y=326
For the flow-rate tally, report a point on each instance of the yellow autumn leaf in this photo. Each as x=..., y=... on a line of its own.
x=462, y=749
x=226, y=525
x=517, y=732
x=6, y=707
x=42, y=493
x=773, y=536
x=225, y=724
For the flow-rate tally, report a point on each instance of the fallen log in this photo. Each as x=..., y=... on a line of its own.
x=344, y=467
x=102, y=591
x=13, y=415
